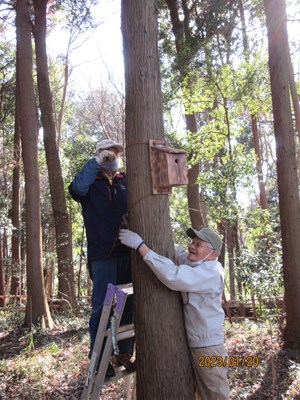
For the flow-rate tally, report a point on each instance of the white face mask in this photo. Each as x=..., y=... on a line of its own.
x=206, y=256
x=110, y=166
x=194, y=263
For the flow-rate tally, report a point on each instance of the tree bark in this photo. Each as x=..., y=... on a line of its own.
x=197, y=214
x=288, y=184
x=3, y=301
x=37, y=310
x=230, y=251
x=50, y=267
x=66, y=284
x=64, y=96
x=16, y=206
x=255, y=132
x=260, y=177
x=160, y=335
x=293, y=89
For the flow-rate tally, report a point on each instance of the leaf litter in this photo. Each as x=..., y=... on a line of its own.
x=50, y=365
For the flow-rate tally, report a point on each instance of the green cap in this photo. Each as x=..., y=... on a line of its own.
x=207, y=235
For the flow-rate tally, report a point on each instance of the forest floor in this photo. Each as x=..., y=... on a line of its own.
x=52, y=364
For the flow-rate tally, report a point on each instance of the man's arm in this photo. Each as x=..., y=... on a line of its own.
x=84, y=178
x=142, y=248
x=182, y=278
x=180, y=254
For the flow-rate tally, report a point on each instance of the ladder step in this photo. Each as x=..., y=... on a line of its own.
x=122, y=332
x=127, y=288
x=119, y=375
x=114, y=303
x=124, y=328
x=125, y=335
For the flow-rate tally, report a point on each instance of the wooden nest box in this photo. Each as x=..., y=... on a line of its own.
x=168, y=167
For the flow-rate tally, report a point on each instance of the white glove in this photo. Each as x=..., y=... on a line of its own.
x=104, y=155
x=130, y=239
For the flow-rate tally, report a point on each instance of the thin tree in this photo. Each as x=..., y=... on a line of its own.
x=66, y=284
x=288, y=184
x=182, y=34
x=160, y=335
x=16, y=204
x=37, y=310
x=254, y=126
x=294, y=93
x=3, y=301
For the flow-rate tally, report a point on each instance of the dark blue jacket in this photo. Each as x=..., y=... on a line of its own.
x=103, y=207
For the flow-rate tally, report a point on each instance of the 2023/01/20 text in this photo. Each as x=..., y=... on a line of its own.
x=228, y=361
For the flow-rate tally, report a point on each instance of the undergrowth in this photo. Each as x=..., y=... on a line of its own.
x=53, y=364
x=276, y=373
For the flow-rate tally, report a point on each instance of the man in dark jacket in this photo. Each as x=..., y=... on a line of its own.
x=102, y=193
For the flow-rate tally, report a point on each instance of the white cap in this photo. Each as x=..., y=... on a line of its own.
x=107, y=144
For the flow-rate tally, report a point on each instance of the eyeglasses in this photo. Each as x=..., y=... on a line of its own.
x=199, y=244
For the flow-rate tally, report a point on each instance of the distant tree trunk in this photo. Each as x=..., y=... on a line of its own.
x=236, y=239
x=244, y=28
x=64, y=96
x=8, y=270
x=3, y=301
x=260, y=177
x=159, y=326
x=16, y=206
x=196, y=209
x=293, y=89
x=255, y=132
x=197, y=214
x=23, y=256
x=222, y=231
x=37, y=310
x=230, y=252
x=66, y=283
x=51, y=264
x=288, y=184
x=80, y=263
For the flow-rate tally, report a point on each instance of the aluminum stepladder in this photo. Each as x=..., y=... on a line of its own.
x=114, y=303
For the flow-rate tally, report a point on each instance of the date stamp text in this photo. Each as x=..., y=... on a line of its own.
x=228, y=361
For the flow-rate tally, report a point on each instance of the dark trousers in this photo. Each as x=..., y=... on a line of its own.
x=116, y=271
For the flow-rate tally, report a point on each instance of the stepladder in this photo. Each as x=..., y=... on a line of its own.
x=109, y=333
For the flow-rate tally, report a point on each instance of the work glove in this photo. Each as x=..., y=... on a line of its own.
x=103, y=156
x=130, y=239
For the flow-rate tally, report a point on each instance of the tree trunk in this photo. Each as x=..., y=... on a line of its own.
x=230, y=252
x=66, y=284
x=37, y=310
x=80, y=264
x=235, y=235
x=197, y=214
x=50, y=277
x=64, y=96
x=256, y=138
x=160, y=335
x=16, y=206
x=3, y=301
x=244, y=28
x=288, y=185
x=257, y=148
x=293, y=89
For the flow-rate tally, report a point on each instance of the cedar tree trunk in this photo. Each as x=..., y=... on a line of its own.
x=164, y=369
x=66, y=285
x=37, y=310
x=288, y=184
